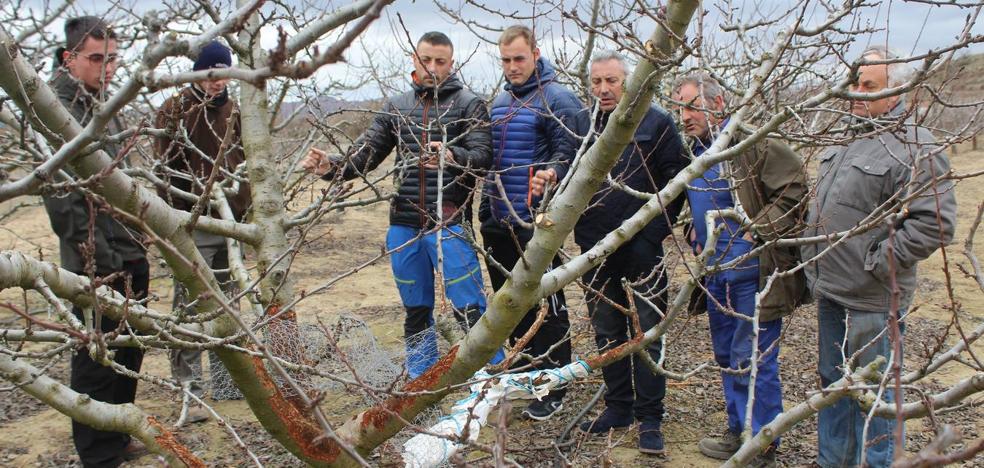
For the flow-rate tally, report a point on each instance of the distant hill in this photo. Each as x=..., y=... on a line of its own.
x=326, y=105
x=967, y=75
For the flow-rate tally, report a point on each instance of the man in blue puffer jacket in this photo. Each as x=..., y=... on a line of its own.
x=533, y=143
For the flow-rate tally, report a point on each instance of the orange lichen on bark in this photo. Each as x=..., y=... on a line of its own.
x=613, y=354
x=302, y=429
x=168, y=442
x=378, y=416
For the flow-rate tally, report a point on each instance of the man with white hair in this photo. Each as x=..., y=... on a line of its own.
x=889, y=164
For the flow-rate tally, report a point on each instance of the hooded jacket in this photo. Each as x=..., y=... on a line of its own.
x=411, y=121
x=534, y=127
x=69, y=213
x=872, y=174
x=206, y=123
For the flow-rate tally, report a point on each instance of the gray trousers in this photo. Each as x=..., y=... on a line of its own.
x=186, y=364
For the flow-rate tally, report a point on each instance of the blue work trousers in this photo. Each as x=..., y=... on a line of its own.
x=414, y=264
x=732, y=337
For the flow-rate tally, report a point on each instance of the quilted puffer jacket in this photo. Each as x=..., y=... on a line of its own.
x=533, y=128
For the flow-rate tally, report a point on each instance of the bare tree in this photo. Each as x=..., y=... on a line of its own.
x=789, y=71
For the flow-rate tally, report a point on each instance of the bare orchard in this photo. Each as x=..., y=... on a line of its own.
x=312, y=338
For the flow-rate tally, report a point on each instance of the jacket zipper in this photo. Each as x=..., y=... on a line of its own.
x=422, y=174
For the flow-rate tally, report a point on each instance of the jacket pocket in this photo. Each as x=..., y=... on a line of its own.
x=862, y=184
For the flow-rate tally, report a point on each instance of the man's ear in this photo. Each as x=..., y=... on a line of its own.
x=65, y=56
x=719, y=103
x=536, y=54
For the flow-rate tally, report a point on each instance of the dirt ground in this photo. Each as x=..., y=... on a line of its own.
x=33, y=435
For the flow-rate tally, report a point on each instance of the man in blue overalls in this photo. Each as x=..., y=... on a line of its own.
x=767, y=183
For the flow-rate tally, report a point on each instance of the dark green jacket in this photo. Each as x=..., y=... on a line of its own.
x=69, y=213
x=770, y=183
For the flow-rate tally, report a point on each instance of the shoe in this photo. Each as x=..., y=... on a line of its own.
x=134, y=450
x=720, y=448
x=766, y=459
x=542, y=410
x=196, y=414
x=651, y=439
x=607, y=421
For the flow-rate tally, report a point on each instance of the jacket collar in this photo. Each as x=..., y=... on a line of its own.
x=70, y=89
x=451, y=85
x=856, y=124
x=543, y=74
x=210, y=101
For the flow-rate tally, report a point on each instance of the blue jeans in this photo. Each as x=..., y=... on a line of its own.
x=732, y=339
x=413, y=270
x=840, y=426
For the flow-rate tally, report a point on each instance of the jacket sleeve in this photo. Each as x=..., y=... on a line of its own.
x=561, y=128
x=370, y=149
x=665, y=163
x=783, y=178
x=474, y=148
x=924, y=228
x=69, y=216
x=166, y=150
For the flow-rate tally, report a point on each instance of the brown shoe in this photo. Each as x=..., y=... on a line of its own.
x=134, y=450
x=720, y=448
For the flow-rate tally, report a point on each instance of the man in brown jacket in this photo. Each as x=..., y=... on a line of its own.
x=202, y=131
x=767, y=183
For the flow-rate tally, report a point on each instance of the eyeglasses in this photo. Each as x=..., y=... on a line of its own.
x=99, y=59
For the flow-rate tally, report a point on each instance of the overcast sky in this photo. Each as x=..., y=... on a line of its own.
x=909, y=27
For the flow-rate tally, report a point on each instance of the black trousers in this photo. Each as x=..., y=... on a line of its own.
x=98, y=449
x=631, y=386
x=556, y=324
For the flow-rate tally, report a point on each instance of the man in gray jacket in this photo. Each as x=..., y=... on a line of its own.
x=98, y=245
x=889, y=168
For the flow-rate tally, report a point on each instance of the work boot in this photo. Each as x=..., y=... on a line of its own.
x=765, y=459
x=422, y=352
x=134, y=450
x=542, y=410
x=651, y=438
x=608, y=420
x=720, y=448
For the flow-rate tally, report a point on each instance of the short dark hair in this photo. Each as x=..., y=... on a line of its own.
x=81, y=27
x=436, y=38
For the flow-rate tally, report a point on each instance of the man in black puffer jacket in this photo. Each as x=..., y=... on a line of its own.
x=441, y=135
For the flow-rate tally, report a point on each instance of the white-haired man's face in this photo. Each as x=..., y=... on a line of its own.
x=872, y=79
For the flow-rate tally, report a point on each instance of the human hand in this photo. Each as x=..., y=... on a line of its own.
x=317, y=162
x=541, y=179
x=438, y=150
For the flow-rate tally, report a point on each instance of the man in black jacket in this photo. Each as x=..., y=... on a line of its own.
x=84, y=68
x=648, y=162
x=441, y=135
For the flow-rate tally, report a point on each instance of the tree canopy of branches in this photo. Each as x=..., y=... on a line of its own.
x=788, y=69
